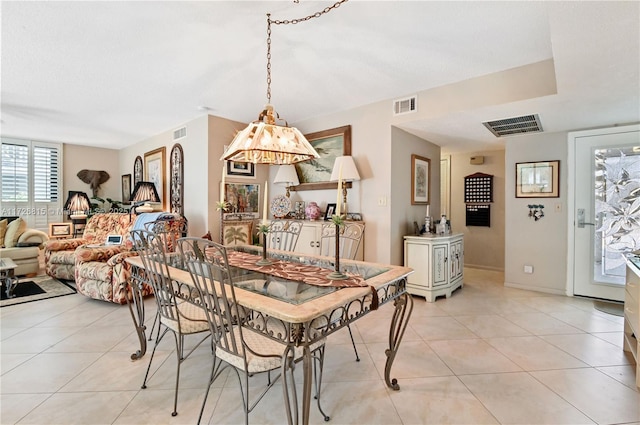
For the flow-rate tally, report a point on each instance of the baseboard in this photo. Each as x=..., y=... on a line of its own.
x=488, y=268
x=535, y=288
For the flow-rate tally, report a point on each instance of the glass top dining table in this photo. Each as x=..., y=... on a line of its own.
x=299, y=298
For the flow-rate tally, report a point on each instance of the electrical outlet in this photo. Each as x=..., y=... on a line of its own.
x=528, y=269
x=382, y=201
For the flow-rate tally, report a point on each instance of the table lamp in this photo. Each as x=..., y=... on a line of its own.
x=287, y=174
x=77, y=205
x=349, y=171
x=143, y=193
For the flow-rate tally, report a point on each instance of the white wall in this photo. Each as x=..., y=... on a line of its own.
x=543, y=243
x=196, y=182
x=483, y=246
x=78, y=158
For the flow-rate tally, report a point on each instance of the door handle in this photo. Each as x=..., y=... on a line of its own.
x=581, y=222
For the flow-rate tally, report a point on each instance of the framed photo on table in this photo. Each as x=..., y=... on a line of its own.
x=60, y=230
x=539, y=179
x=154, y=172
x=420, y=180
x=329, y=144
x=331, y=210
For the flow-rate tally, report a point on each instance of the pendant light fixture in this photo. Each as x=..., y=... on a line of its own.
x=263, y=141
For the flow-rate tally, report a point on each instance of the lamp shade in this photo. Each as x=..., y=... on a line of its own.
x=264, y=142
x=287, y=174
x=348, y=167
x=145, y=192
x=77, y=203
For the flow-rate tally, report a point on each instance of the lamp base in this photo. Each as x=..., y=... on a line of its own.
x=263, y=262
x=336, y=276
x=146, y=208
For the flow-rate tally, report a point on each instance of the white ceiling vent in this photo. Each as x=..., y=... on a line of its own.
x=515, y=125
x=405, y=106
x=179, y=133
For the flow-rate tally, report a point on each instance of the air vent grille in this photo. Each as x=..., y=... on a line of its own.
x=405, y=106
x=180, y=133
x=515, y=125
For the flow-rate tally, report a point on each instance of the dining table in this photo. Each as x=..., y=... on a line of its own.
x=293, y=301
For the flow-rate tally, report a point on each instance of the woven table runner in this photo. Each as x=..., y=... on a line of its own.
x=313, y=275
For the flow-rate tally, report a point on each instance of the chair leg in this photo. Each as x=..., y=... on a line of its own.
x=353, y=343
x=319, y=358
x=153, y=352
x=179, y=347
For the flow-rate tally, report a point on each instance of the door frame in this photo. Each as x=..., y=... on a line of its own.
x=571, y=192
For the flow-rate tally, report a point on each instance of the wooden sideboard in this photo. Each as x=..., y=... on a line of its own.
x=632, y=311
x=438, y=264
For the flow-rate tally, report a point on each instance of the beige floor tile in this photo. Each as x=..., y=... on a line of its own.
x=488, y=326
x=624, y=374
x=46, y=372
x=423, y=308
x=378, y=331
x=470, y=356
x=435, y=328
x=37, y=339
x=415, y=359
x=17, y=406
x=340, y=364
x=590, y=349
x=542, y=324
x=113, y=371
x=154, y=407
x=80, y=408
x=10, y=361
x=550, y=304
x=534, y=353
x=615, y=338
x=92, y=339
x=517, y=398
x=588, y=321
x=438, y=400
x=602, y=398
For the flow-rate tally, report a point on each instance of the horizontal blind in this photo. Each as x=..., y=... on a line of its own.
x=45, y=174
x=15, y=173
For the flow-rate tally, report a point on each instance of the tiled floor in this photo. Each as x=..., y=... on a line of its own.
x=487, y=355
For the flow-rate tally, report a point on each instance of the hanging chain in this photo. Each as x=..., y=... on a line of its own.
x=286, y=22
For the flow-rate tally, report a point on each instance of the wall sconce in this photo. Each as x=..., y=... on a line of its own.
x=287, y=174
x=143, y=193
x=536, y=211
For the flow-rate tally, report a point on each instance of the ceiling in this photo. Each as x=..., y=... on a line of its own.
x=110, y=74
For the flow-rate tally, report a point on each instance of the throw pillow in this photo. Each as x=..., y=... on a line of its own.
x=3, y=231
x=14, y=230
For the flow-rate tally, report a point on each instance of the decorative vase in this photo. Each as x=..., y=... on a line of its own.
x=313, y=211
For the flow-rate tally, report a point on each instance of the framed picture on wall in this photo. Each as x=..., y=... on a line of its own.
x=154, y=172
x=242, y=199
x=539, y=179
x=126, y=187
x=329, y=144
x=420, y=180
x=241, y=169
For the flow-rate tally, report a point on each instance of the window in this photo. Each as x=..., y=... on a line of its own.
x=31, y=183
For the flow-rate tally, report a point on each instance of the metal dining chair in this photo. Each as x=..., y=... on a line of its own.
x=237, y=344
x=177, y=303
x=283, y=234
x=351, y=234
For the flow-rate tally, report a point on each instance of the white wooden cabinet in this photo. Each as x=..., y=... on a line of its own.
x=632, y=312
x=309, y=240
x=438, y=264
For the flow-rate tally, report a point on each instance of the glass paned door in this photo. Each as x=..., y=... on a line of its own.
x=607, y=216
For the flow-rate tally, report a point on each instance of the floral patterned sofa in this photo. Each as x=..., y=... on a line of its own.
x=100, y=271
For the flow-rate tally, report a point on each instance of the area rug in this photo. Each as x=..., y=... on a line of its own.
x=616, y=309
x=36, y=289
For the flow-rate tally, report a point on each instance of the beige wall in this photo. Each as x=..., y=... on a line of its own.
x=78, y=158
x=543, y=243
x=483, y=246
